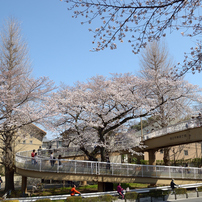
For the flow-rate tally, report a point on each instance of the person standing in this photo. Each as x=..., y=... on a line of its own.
x=36, y=159
x=108, y=164
x=39, y=150
x=33, y=155
x=74, y=191
x=59, y=160
x=199, y=120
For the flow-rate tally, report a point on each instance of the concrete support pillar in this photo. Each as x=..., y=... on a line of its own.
x=83, y=183
x=105, y=186
x=24, y=184
x=152, y=161
x=100, y=186
x=152, y=157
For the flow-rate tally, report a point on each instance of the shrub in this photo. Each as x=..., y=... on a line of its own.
x=106, y=198
x=45, y=193
x=180, y=191
x=53, y=190
x=156, y=193
x=134, y=160
x=143, y=162
x=74, y=199
x=43, y=200
x=14, y=193
x=124, y=185
x=159, y=162
x=91, y=199
x=164, y=193
x=131, y=195
x=200, y=189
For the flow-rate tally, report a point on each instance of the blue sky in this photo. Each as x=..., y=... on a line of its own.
x=59, y=45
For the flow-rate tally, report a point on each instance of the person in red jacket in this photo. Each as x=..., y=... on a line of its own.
x=33, y=155
x=73, y=191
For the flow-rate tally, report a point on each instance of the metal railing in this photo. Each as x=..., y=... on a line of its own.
x=44, y=164
x=193, y=123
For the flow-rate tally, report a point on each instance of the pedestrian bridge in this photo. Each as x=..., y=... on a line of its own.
x=75, y=170
x=182, y=133
x=78, y=170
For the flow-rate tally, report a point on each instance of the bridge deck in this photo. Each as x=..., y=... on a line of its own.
x=96, y=171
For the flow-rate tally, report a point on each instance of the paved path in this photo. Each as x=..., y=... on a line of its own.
x=199, y=199
x=171, y=198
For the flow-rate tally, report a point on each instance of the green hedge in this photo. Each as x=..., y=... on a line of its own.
x=105, y=198
x=180, y=191
x=158, y=193
x=200, y=189
x=155, y=193
x=91, y=199
x=45, y=193
x=131, y=195
x=74, y=199
x=43, y=200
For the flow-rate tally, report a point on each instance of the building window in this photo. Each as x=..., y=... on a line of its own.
x=186, y=152
x=24, y=142
x=161, y=151
x=31, y=135
x=30, y=141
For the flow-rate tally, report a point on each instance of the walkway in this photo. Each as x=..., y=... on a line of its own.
x=95, y=170
x=116, y=172
x=178, y=134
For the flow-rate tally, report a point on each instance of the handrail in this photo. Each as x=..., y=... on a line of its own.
x=192, y=123
x=44, y=164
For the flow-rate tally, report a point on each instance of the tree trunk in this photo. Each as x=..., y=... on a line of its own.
x=103, y=154
x=91, y=156
x=9, y=179
x=166, y=157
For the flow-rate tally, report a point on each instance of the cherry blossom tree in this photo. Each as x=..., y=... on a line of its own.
x=21, y=96
x=156, y=67
x=99, y=109
x=140, y=22
x=96, y=110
